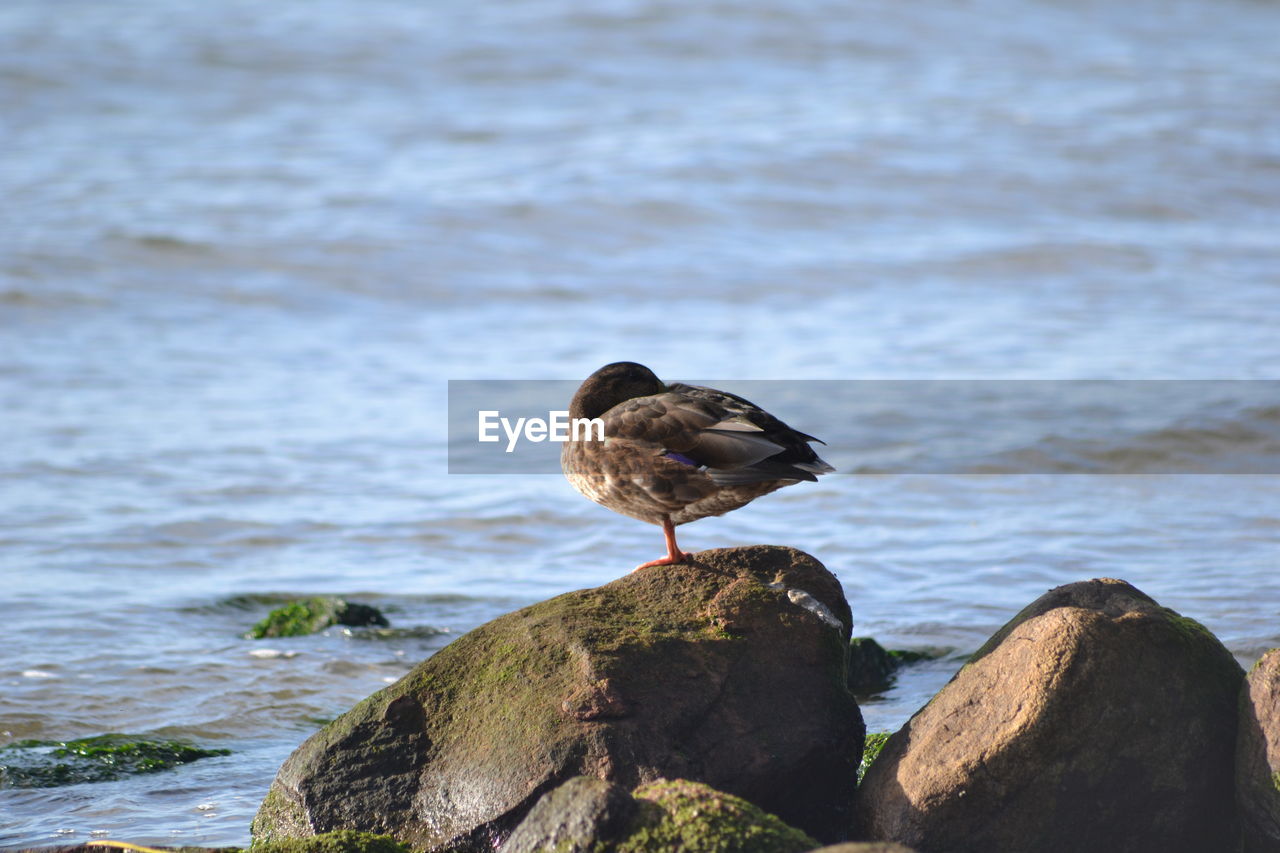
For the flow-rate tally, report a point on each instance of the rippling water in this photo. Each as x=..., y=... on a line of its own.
x=245, y=246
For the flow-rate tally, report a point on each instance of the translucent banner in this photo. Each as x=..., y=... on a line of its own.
x=928, y=426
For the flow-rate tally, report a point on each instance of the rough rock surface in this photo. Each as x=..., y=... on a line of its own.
x=1094, y=720
x=707, y=670
x=870, y=666
x=586, y=814
x=1258, y=756
x=864, y=847
x=574, y=818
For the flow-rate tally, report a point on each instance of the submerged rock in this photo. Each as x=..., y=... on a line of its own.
x=309, y=615
x=587, y=814
x=104, y=758
x=705, y=670
x=1258, y=756
x=870, y=665
x=1094, y=720
x=873, y=668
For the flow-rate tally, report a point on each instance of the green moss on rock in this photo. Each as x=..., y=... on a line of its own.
x=871, y=750
x=309, y=615
x=872, y=668
x=339, y=841
x=52, y=764
x=695, y=818
x=638, y=674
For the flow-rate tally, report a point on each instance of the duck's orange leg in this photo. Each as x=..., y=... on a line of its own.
x=674, y=554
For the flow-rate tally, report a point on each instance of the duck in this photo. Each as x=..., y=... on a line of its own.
x=675, y=453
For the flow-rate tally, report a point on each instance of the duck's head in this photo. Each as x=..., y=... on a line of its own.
x=611, y=385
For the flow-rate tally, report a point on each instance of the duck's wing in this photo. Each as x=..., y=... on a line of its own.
x=742, y=407
x=796, y=460
x=691, y=431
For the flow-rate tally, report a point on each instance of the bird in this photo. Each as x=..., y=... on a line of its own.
x=675, y=453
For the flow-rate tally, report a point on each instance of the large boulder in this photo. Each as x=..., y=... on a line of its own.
x=585, y=815
x=1258, y=756
x=1095, y=720
x=726, y=669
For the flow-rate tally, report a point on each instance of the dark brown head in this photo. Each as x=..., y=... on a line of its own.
x=612, y=384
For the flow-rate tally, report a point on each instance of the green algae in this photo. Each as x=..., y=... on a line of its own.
x=695, y=818
x=309, y=615
x=1189, y=629
x=52, y=764
x=871, y=747
x=873, y=669
x=338, y=841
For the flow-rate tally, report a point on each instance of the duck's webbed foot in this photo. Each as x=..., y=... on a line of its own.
x=674, y=554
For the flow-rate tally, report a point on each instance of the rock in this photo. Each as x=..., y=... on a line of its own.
x=102, y=758
x=574, y=818
x=340, y=841
x=1258, y=756
x=694, y=818
x=587, y=814
x=1094, y=720
x=704, y=670
x=865, y=847
x=309, y=615
x=871, y=667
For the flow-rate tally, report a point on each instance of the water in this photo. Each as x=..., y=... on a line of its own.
x=245, y=246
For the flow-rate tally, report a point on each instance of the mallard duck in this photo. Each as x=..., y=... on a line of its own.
x=675, y=453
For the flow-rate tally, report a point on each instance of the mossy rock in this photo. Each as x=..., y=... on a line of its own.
x=52, y=764
x=695, y=818
x=589, y=815
x=865, y=847
x=309, y=615
x=873, y=668
x=706, y=670
x=338, y=841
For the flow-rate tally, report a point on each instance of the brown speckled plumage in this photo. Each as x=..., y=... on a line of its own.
x=676, y=453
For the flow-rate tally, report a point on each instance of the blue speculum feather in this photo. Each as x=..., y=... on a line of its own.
x=680, y=457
